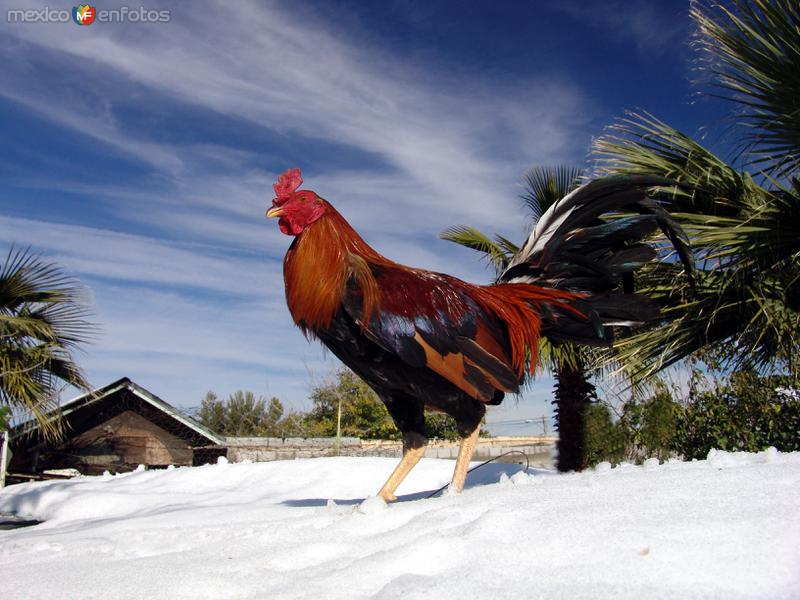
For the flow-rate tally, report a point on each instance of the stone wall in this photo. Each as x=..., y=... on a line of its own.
x=538, y=449
x=267, y=449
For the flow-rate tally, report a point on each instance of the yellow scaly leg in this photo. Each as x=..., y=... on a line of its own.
x=462, y=462
x=413, y=450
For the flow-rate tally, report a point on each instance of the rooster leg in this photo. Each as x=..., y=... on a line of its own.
x=462, y=462
x=413, y=450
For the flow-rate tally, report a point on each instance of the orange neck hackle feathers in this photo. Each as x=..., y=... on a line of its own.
x=317, y=267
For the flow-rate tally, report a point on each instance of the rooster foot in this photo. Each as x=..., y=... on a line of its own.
x=387, y=496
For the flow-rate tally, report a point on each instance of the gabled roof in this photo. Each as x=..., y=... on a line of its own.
x=99, y=394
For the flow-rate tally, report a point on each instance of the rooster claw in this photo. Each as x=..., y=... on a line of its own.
x=387, y=496
x=371, y=505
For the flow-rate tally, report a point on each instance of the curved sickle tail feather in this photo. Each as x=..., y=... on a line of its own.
x=573, y=249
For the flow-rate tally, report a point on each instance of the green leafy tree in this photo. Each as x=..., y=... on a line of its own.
x=292, y=425
x=744, y=311
x=244, y=415
x=573, y=392
x=43, y=321
x=212, y=413
x=363, y=413
x=442, y=426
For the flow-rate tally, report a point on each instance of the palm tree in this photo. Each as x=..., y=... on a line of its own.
x=573, y=392
x=42, y=321
x=744, y=222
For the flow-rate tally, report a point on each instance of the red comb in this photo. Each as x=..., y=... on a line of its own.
x=287, y=183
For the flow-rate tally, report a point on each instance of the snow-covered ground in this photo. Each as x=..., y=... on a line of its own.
x=727, y=527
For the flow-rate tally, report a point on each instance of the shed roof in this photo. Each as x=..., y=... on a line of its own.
x=97, y=395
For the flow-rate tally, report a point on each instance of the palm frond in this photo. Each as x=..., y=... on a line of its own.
x=495, y=252
x=544, y=186
x=753, y=52
x=37, y=299
x=740, y=325
x=43, y=319
x=552, y=356
x=641, y=144
x=507, y=245
x=761, y=239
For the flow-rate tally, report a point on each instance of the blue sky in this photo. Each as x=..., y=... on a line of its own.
x=140, y=156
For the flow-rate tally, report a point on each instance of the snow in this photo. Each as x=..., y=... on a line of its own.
x=726, y=527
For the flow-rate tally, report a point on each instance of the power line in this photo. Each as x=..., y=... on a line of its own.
x=518, y=421
x=541, y=421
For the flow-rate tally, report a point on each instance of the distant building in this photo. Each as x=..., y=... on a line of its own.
x=115, y=428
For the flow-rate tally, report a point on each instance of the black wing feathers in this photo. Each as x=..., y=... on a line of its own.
x=440, y=342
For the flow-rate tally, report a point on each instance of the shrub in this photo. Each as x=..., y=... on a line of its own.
x=605, y=439
x=650, y=426
x=748, y=413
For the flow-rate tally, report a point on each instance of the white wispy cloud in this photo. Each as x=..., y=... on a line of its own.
x=102, y=127
x=640, y=22
x=294, y=77
x=126, y=257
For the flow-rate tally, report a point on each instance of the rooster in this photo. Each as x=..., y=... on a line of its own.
x=425, y=340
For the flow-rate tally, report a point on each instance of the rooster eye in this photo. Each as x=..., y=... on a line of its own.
x=303, y=199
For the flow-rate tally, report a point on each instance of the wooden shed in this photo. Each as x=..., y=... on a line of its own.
x=115, y=428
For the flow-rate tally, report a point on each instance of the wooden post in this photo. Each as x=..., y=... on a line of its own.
x=339, y=427
x=3, y=455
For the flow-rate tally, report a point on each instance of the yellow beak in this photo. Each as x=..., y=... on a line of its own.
x=275, y=211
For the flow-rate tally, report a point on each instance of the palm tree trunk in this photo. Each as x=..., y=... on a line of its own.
x=573, y=394
x=3, y=459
